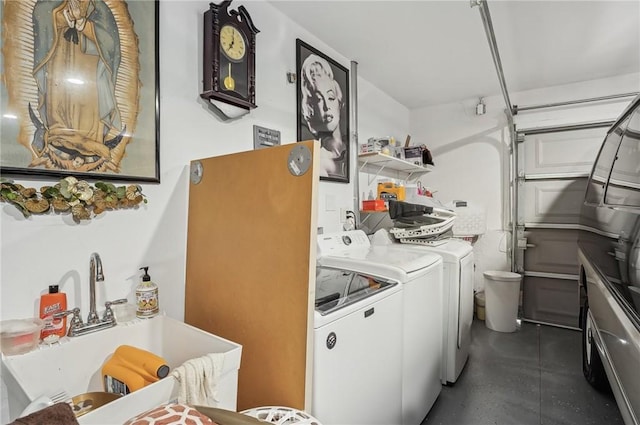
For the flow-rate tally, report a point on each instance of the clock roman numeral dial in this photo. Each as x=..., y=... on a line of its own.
x=232, y=43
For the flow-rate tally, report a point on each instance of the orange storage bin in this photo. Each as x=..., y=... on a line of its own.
x=374, y=205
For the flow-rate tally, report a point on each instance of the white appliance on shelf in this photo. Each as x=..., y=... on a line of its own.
x=457, y=301
x=420, y=330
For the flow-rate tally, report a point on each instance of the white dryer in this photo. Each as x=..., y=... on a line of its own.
x=420, y=276
x=457, y=301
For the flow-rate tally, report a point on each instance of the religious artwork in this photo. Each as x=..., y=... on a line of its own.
x=80, y=89
x=323, y=109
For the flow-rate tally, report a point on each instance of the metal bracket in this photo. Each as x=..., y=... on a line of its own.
x=299, y=160
x=196, y=172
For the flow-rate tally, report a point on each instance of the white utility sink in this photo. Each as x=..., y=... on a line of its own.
x=74, y=366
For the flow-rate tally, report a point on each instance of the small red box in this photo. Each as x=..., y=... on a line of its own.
x=374, y=205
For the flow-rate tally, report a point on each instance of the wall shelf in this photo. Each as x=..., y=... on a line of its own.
x=376, y=163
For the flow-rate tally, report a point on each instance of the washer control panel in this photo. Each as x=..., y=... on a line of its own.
x=332, y=243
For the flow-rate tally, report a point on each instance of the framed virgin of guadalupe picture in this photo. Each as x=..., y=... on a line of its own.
x=80, y=90
x=323, y=109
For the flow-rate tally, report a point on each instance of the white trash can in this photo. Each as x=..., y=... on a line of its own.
x=502, y=293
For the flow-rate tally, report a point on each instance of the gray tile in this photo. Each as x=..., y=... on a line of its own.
x=561, y=349
x=484, y=404
x=529, y=377
x=567, y=398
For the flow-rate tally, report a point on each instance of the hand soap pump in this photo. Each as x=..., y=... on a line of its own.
x=147, y=301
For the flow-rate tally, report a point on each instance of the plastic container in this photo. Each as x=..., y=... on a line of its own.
x=374, y=205
x=131, y=368
x=19, y=336
x=412, y=154
x=124, y=312
x=118, y=379
x=51, y=303
x=143, y=362
x=480, y=305
x=281, y=415
x=502, y=292
x=390, y=190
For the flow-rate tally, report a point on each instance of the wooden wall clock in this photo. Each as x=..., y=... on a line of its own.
x=229, y=57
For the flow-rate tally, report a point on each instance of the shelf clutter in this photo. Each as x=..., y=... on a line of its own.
x=386, y=152
x=390, y=146
x=391, y=162
x=377, y=162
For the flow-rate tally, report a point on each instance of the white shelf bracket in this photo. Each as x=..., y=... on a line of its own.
x=375, y=176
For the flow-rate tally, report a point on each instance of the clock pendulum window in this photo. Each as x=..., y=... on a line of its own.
x=233, y=46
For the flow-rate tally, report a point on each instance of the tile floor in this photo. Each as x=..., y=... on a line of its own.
x=530, y=377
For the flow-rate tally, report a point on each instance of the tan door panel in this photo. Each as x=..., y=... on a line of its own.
x=250, y=274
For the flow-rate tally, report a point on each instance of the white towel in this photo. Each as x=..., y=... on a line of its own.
x=198, y=380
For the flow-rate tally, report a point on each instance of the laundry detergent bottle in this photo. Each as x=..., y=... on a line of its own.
x=131, y=368
x=147, y=302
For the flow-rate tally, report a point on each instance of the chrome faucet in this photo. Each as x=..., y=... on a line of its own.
x=95, y=273
x=94, y=323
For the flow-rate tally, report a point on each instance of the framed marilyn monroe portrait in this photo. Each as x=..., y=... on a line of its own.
x=323, y=109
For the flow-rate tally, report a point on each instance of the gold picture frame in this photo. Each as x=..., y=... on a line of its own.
x=80, y=89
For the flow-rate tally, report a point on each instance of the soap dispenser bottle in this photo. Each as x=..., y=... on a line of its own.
x=147, y=302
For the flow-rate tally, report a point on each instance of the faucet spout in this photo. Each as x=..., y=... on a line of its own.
x=95, y=273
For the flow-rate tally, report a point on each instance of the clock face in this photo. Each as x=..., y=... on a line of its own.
x=232, y=43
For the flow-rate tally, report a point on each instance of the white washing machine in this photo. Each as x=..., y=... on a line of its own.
x=420, y=357
x=457, y=301
x=357, y=372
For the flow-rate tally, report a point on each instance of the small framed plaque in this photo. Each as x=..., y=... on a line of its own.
x=265, y=137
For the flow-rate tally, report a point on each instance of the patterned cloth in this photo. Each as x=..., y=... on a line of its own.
x=171, y=414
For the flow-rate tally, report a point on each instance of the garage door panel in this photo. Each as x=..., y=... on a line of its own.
x=562, y=152
x=551, y=300
x=553, y=251
x=553, y=167
x=553, y=201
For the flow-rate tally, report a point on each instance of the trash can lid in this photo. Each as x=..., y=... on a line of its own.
x=502, y=276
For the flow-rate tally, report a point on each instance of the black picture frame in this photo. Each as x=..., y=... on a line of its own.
x=123, y=142
x=314, y=123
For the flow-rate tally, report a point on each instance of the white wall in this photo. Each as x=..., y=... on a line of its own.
x=471, y=152
x=49, y=249
x=52, y=249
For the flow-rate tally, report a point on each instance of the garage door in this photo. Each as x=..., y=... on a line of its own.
x=553, y=167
